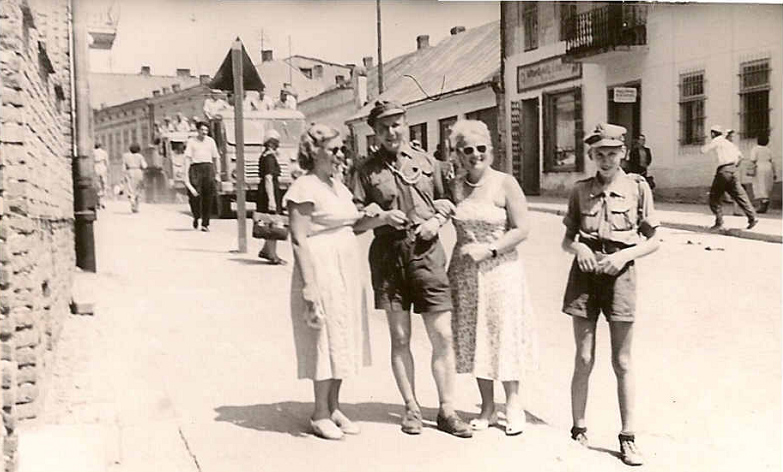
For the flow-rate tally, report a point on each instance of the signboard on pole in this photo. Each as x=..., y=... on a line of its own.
x=624, y=95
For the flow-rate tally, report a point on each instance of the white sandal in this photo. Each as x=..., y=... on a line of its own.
x=480, y=424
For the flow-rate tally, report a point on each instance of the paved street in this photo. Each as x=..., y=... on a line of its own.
x=188, y=364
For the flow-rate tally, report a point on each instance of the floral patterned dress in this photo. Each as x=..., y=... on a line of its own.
x=493, y=320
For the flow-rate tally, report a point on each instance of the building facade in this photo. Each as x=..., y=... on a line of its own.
x=37, y=254
x=668, y=71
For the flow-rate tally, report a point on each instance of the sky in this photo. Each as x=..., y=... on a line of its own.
x=197, y=34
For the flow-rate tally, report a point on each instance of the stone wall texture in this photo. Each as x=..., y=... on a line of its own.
x=37, y=256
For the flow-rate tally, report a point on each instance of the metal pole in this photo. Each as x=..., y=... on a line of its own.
x=380, y=55
x=290, y=66
x=82, y=167
x=239, y=133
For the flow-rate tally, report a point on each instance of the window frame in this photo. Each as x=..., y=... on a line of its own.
x=529, y=17
x=549, y=100
x=748, y=92
x=686, y=102
x=422, y=130
x=444, y=140
x=568, y=11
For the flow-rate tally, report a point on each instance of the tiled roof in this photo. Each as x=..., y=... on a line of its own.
x=113, y=89
x=458, y=62
x=275, y=74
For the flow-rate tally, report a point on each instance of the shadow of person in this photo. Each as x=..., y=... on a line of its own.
x=615, y=454
x=293, y=417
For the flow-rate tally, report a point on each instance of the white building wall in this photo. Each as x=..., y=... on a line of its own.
x=715, y=38
x=431, y=112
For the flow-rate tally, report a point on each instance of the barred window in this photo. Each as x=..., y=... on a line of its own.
x=754, y=98
x=530, y=20
x=692, y=108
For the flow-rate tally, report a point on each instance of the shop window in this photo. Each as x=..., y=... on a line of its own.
x=692, y=100
x=419, y=133
x=563, y=148
x=754, y=98
x=530, y=22
x=444, y=131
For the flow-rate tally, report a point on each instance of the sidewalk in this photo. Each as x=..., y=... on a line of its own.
x=690, y=217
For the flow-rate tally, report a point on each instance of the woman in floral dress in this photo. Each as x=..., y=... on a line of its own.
x=494, y=336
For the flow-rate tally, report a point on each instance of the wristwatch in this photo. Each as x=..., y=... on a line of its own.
x=494, y=251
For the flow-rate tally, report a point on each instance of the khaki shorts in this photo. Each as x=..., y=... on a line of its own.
x=588, y=294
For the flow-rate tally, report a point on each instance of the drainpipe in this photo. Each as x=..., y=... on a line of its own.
x=82, y=167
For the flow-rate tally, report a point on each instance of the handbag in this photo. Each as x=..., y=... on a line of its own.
x=269, y=226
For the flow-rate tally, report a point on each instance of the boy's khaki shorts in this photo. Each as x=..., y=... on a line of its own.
x=588, y=294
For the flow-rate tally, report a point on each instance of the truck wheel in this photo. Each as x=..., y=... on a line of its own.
x=224, y=207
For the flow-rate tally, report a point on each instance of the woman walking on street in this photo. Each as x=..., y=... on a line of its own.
x=269, y=195
x=492, y=322
x=134, y=164
x=328, y=303
x=764, y=178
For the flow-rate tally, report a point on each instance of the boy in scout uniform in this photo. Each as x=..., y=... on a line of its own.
x=609, y=224
x=407, y=261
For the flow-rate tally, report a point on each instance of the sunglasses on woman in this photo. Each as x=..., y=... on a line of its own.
x=335, y=150
x=468, y=150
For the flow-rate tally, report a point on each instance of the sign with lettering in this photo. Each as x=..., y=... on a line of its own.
x=624, y=95
x=546, y=72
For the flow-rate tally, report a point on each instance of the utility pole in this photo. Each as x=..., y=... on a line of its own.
x=82, y=167
x=380, y=55
x=239, y=130
x=290, y=77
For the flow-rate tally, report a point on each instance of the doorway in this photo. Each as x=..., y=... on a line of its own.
x=624, y=108
x=531, y=156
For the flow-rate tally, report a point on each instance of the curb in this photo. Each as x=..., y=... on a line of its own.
x=734, y=232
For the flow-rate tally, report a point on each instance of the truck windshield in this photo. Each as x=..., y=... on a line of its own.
x=290, y=130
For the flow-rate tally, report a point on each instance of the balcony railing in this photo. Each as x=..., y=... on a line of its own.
x=606, y=28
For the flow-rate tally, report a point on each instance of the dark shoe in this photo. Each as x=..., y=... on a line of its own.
x=274, y=260
x=454, y=425
x=580, y=436
x=752, y=222
x=205, y=229
x=195, y=223
x=763, y=207
x=411, y=422
x=629, y=453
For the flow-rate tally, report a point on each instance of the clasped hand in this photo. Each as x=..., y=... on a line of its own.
x=611, y=264
x=314, y=313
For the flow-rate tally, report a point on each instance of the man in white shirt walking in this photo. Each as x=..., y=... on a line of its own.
x=726, y=179
x=202, y=166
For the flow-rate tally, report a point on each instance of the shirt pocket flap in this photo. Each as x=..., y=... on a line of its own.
x=620, y=205
x=589, y=207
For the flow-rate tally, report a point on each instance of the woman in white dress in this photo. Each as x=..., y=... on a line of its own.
x=328, y=293
x=493, y=325
x=764, y=178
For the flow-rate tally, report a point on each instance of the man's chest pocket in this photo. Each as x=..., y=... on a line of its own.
x=384, y=188
x=590, y=214
x=622, y=214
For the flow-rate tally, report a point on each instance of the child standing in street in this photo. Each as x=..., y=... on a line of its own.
x=609, y=224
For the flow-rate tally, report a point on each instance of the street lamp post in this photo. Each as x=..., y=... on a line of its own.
x=239, y=129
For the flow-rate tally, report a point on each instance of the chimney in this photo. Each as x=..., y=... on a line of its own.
x=156, y=93
x=457, y=30
x=203, y=79
x=359, y=80
x=367, y=61
x=422, y=41
x=145, y=70
x=175, y=88
x=339, y=80
x=185, y=73
x=318, y=71
x=267, y=55
x=164, y=90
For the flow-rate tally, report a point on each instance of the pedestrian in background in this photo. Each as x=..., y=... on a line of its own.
x=494, y=338
x=101, y=166
x=610, y=222
x=407, y=260
x=134, y=164
x=182, y=123
x=269, y=194
x=214, y=105
x=763, y=172
x=640, y=159
x=726, y=179
x=202, y=166
x=328, y=295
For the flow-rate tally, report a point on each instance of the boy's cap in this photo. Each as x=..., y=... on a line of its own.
x=606, y=134
x=717, y=129
x=382, y=109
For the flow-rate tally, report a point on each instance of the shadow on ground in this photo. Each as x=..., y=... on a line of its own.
x=292, y=417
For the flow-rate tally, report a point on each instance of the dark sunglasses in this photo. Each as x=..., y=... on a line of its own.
x=468, y=150
x=336, y=150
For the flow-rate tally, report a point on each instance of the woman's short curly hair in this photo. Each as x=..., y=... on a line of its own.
x=311, y=140
x=464, y=128
x=134, y=148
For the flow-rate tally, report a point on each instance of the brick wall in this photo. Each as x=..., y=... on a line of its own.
x=37, y=256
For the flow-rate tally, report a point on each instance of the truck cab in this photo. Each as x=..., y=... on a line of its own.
x=290, y=124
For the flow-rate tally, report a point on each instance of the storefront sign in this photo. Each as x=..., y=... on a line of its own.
x=624, y=95
x=546, y=72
